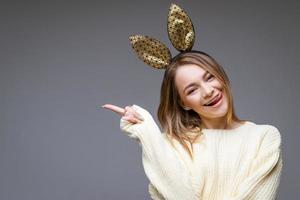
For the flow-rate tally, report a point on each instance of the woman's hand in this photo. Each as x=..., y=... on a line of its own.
x=128, y=113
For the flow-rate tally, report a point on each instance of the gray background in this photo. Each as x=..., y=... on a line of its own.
x=60, y=59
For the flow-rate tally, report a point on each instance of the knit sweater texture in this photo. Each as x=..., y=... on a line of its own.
x=243, y=163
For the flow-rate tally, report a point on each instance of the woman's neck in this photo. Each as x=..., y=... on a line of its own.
x=219, y=123
x=216, y=123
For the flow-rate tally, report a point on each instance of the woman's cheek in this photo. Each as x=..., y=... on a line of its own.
x=196, y=100
x=217, y=84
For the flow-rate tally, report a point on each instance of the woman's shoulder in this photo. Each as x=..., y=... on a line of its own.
x=269, y=136
x=262, y=126
x=169, y=138
x=265, y=130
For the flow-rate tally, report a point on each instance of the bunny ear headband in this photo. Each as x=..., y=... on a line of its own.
x=181, y=34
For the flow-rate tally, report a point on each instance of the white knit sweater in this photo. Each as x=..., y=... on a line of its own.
x=238, y=164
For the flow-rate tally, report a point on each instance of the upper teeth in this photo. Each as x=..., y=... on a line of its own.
x=212, y=101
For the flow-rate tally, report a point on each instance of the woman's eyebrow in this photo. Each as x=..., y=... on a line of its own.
x=192, y=84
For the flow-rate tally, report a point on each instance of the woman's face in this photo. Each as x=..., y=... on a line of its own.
x=201, y=91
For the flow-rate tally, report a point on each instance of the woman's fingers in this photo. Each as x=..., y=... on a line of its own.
x=129, y=113
x=133, y=120
x=116, y=109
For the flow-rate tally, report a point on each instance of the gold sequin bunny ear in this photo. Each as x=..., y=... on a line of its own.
x=181, y=34
x=180, y=29
x=151, y=51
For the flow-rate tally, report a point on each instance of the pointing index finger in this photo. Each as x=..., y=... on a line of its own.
x=114, y=108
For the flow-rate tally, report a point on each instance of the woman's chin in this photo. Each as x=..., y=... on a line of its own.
x=221, y=112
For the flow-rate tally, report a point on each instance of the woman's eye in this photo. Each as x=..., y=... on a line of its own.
x=210, y=77
x=191, y=91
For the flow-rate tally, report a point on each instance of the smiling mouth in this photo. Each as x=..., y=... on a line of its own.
x=217, y=99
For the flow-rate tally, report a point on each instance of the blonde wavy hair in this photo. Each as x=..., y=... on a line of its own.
x=176, y=122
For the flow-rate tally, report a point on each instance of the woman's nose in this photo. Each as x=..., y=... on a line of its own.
x=207, y=91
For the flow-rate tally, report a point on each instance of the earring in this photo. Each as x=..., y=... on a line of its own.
x=186, y=108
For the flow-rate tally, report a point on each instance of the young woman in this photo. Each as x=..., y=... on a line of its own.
x=205, y=151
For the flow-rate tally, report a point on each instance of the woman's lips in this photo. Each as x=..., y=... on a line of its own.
x=217, y=101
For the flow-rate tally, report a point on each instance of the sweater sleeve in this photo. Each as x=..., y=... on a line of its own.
x=163, y=167
x=264, y=176
x=154, y=193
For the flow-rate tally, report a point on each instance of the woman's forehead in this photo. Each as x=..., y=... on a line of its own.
x=189, y=72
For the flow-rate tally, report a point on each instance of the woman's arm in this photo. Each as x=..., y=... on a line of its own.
x=154, y=193
x=264, y=176
x=163, y=167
